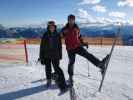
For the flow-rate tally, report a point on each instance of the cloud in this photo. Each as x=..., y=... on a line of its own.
x=130, y=22
x=83, y=2
x=125, y=3
x=84, y=16
x=105, y=20
x=99, y=8
x=121, y=3
x=116, y=14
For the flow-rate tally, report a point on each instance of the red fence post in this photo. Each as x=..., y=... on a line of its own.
x=26, y=53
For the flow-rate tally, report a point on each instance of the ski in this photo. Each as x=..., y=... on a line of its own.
x=73, y=95
x=107, y=62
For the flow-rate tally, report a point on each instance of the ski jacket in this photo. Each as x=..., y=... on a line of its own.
x=71, y=36
x=51, y=46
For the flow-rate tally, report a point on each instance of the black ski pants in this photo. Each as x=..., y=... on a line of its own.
x=82, y=52
x=48, y=69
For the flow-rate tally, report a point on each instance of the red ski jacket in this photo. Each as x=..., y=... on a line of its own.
x=71, y=36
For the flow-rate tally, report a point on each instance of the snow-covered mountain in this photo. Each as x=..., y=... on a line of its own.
x=1, y=27
x=87, y=29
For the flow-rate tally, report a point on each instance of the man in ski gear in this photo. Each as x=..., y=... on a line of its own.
x=51, y=53
x=74, y=45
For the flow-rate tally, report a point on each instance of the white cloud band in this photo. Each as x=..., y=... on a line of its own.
x=99, y=8
x=83, y=2
x=117, y=14
x=125, y=3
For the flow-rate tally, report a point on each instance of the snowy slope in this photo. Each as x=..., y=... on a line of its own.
x=23, y=82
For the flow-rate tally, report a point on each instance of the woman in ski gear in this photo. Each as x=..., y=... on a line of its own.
x=51, y=53
x=74, y=45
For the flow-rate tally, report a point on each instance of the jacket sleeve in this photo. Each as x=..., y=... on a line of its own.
x=41, y=47
x=60, y=46
x=81, y=39
x=82, y=42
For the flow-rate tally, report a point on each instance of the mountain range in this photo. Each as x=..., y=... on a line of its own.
x=91, y=30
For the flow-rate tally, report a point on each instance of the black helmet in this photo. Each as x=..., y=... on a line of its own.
x=71, y=16
x=51, y=23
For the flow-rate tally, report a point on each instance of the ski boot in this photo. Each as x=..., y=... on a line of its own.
x=102, y=65
x=70, y=81
x=48, y=83
x=64, y=89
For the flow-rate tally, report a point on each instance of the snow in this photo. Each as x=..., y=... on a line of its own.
x=27, y=82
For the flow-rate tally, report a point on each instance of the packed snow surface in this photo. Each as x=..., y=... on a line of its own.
x=27, y=82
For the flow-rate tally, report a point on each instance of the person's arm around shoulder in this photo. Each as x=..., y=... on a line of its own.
x=63, y=32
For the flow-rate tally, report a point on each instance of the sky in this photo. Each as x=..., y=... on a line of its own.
x=31, y=12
